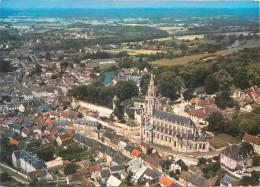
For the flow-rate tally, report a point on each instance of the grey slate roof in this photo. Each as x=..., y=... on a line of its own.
x=38, y=164
x=181, y=120
x=235, y=152
x=118, y=159
x=105, y=174
x=196, y=179
x=117, y=168
x=226, y=180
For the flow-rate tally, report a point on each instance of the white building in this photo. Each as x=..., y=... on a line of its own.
x=23, y=160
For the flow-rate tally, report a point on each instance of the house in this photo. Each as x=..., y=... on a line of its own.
x=227, y=181
x=196, y=180
x=121, y=145
x=40, y=174
x=118, y=159
x=136, y=153
x=93, y=168
x=151, y=176
x=113, y=181
x=116, y=169
x=104, y=175
x=123, y=175
x=75, y=179
x=194, y=100
x=249, y=107
x=236, y=157
x=16, y=128
x=128, y=150
x=146, y=148
x=13, y=141
x=204, y=103
x=152, y=162
x=165, y=181
x=25, y=132
x=21, y=108
x=23, y=160
x=254, y=141
x=63, y=139
x=198, y=116
x=136, y=169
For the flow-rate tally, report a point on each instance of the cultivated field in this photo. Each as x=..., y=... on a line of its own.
x=135, y=51
x=190, y=37
x=216, y=143
x=170, y=28
x=187, y=59
x=228, y=138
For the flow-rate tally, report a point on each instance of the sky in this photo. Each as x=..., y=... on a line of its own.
x=49, y=4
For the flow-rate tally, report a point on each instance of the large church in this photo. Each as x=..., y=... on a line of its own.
x=177, y=132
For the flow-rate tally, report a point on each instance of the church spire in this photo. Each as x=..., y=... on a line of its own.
x=151, y=94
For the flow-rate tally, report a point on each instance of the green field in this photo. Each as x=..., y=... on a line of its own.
x=217, y=144
x=187, y=59
x=3, y=169
x=228, y=138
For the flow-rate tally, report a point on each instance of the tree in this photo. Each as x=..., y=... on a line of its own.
x=256, y=161
x=216, y=122
x=201, y=161
x=211, y=85
x=241, y=79
x=45, y=154
x=223, y=78
x=70, y=168
x=5, y=177
x=126, y=90
x=169, y=84
x=188, y=94
x=224, y=100
x=247, y=147
x=4, y=66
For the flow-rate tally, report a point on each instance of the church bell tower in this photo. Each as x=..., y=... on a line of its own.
x=151, y=95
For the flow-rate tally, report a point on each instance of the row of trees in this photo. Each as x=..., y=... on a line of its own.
x=102, y=95
x=241, y=123
x=240, y=69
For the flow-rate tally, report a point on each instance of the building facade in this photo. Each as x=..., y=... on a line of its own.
x=177, y=132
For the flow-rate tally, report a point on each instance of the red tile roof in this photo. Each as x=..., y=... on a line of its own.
x=252, y=139
x=197, y=113
x=94, y=168
x=166, y=181
x=13, y=141
x=194, y=100
x=136, y=152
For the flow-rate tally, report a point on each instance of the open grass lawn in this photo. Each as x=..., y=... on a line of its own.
x=228, y=138
x=216, y=143
x=187, y=59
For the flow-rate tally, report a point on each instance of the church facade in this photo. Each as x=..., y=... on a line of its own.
x=177, y=132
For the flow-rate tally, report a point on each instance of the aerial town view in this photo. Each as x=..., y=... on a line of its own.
x=129, y=93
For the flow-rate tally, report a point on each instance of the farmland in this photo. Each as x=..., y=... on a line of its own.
x=187, y=59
